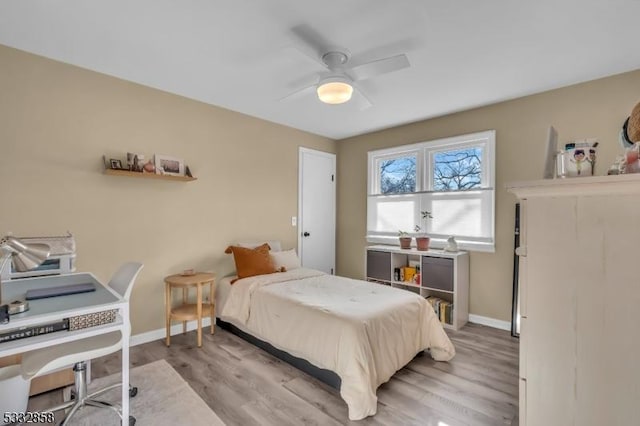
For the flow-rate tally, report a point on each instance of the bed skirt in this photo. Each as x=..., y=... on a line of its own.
x=327, y=376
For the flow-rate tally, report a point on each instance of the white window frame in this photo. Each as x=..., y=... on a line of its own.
x=374, y=176
x=484, y=139
x=424, y=182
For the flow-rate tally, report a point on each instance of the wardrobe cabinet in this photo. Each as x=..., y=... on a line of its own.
x=580, y=301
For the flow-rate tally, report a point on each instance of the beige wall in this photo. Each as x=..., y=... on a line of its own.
x=56, y=122
x=594, y=109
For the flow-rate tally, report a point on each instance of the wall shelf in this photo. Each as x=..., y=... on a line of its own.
x=114, y=172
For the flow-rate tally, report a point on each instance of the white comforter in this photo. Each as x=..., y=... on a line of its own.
x=364, y=332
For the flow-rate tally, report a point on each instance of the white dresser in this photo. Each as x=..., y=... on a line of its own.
x=580, y=301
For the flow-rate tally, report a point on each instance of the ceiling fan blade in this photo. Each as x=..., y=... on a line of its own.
x=299, y=93
x=310, y=43
x=360, y=99
x=380, y=66
x=308, y=55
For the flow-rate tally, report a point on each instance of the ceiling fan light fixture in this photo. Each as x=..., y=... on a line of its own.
x=335, y=92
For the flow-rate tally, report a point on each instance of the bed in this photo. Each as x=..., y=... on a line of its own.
x=363, y=332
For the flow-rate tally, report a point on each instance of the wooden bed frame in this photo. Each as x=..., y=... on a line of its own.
x=327, y=376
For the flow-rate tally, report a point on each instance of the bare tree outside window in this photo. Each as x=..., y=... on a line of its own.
x=457, y=170
x=398, y=175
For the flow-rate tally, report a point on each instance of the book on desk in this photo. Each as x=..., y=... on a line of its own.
x=66, y=324
x=36, y=330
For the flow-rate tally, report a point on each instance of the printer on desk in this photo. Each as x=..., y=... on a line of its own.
x=62, y=258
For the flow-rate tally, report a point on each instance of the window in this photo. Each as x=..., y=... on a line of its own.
x=397, y=175
x=456, y=170
x=452, y=178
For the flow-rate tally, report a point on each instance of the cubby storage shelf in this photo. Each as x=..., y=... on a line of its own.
x=407, y=283
x=436, y=290
x=443, y=275
x=114, y=172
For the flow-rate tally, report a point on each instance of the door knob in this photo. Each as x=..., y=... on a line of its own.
x=306, y=234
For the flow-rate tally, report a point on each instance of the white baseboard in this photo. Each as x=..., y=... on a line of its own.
x=490, y=322
x=160, y=333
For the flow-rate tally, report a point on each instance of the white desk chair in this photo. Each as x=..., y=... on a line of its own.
x=43, y=361
x=14, y=391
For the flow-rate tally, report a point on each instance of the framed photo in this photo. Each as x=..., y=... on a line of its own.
x=116, y=164
x=169, y=165
x=135, y=161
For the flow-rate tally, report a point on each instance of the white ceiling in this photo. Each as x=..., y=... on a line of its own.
x=238, y=53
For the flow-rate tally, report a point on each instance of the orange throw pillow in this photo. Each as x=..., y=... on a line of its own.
x=252, y=262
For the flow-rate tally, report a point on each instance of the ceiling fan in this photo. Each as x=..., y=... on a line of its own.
x=337, y=83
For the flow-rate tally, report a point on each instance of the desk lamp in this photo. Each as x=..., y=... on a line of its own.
x=24, y=257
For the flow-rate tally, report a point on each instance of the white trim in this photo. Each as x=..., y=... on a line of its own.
x=490, y=322
x=373, y=160
x=160, y=333
x=484, y=140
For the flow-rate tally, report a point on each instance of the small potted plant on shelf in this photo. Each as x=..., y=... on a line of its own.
x=405, y=239
x=422, y=240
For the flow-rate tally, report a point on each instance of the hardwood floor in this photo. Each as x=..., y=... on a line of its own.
x=246, y=386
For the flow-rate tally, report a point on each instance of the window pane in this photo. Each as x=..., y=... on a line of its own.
x=397, y=175
x=456, y=170
x=467, y=214
x=392, y=214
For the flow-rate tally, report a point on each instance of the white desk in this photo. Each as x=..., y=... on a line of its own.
x=43, y=311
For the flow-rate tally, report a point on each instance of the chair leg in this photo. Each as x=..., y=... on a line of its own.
x=133, y=391
x=80, y=379
x=71, y=412
x=81, y=397
x=62, y=406
x=103, y=390
x=79, y=391
x=103, y=404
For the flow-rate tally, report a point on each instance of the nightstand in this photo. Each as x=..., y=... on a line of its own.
x=189, y=311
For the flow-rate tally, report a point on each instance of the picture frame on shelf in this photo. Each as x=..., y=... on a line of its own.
x=135, y=161
x=168, y=165
x=115, y=164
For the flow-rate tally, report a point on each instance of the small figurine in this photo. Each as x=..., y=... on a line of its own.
x=452, y=245
x=578, y=158
x=149, y=167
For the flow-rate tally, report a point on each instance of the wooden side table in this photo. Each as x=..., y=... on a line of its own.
x=189, y=311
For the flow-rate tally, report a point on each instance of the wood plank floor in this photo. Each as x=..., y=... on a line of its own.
x=246, y=386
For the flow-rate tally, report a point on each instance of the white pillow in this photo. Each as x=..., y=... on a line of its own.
x=274, y=245
x=287, y=258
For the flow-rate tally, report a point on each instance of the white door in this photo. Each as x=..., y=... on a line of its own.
x=317, y=210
